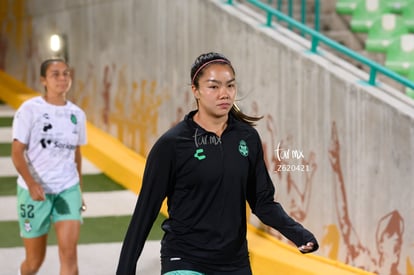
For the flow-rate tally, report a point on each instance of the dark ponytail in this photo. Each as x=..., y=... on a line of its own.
x=251, y=120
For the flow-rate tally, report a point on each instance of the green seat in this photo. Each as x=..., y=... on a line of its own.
x=384, y=31
x=400, y=55
x=366, y=12
x=397, y=6
x=346, y=6
x=408, y=15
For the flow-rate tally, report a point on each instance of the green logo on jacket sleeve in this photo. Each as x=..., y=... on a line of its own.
x=243, y=149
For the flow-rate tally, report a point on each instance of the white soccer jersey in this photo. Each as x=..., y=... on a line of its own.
x=51, y=134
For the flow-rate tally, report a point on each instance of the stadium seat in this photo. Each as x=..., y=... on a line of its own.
x=400, y=55
x=408, y=15
x=384, y=30
x=346, y=6
x=366, y=12
x=397, y=6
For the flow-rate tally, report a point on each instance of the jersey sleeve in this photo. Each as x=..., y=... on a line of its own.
x=22, y=123
x=260, y=196
x=157, y=178
x=82, y=130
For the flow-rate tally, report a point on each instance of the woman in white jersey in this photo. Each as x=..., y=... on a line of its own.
x=47, y=133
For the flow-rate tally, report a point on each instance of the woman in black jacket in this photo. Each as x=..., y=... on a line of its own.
x=208, y=166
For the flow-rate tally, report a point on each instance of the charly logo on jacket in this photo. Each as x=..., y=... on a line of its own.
x=199, y=154
x=243, y=149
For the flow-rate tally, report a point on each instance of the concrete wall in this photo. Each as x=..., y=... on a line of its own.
x=132, y=63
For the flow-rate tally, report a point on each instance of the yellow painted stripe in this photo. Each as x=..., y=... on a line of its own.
x=269, y=255
x=117, y=161
x=126, y=167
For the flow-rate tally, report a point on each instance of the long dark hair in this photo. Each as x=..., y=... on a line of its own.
x=197, y=70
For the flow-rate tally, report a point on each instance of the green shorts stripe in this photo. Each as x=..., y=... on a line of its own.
x=183, y=272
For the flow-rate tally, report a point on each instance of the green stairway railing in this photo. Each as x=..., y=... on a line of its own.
x=316, y=38
x=303, y=13
x=303, y=6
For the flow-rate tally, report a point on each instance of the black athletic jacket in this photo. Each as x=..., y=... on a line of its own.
x=207, y=181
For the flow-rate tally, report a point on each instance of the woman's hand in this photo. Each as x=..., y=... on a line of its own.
x=309, y=247
x=83, y=207
x=36, y=192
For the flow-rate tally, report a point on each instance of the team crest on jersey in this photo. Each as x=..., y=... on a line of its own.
x=73, y=119
x=243, y=149
x=27, y=226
